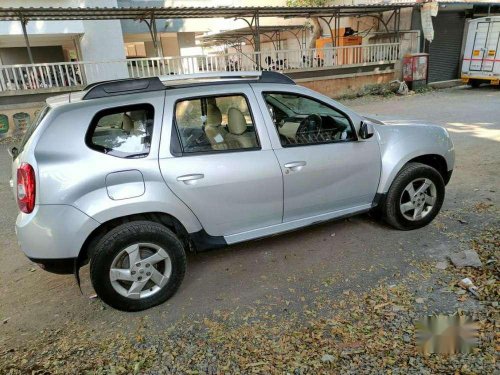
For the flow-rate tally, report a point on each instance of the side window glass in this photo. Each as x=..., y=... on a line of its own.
x=123, y=132
x=215, y=123
x=300, y=120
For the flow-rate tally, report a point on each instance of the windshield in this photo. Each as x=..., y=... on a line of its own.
x=297, y=105
x=272, y=99
x=32, y=127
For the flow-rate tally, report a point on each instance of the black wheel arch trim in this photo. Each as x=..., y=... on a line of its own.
x=61, y=266
x=378, y=199
x=203, y=241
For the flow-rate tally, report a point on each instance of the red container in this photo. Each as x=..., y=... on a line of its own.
x=415, y=67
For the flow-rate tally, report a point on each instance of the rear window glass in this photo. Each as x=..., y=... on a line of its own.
x=124, y=131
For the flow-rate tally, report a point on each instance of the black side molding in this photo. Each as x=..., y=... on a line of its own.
x=378, y=199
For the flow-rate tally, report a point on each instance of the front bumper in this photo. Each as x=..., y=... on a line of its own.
x=53, y=232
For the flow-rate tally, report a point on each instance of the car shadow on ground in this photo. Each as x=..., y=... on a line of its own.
x=265, y=263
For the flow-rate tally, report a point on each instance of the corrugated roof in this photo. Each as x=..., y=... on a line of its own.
x=237, y=34
x=97, y=13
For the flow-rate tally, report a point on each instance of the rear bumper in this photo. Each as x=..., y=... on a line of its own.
x=486, y=79
x=53, y=232
x=60, y=266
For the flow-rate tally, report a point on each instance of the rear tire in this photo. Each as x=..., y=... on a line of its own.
x=475, y=83
x=137, y=265
x=414, y=198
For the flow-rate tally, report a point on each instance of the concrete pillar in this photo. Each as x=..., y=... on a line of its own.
x=103, y=41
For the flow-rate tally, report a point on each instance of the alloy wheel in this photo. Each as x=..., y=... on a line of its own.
x=418, y=199
x=140, y=270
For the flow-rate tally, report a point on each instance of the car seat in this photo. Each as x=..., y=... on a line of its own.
x=238, y=137
x=216, y=134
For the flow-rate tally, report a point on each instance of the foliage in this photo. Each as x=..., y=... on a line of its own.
x=370, y=332
x=306, y=3
x=376, y=89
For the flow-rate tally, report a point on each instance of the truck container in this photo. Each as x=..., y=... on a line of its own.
x=481, y=61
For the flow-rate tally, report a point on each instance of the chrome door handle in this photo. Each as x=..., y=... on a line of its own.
x=295, y=165
x=189, y=179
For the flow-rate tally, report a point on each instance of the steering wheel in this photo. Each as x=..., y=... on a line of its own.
x=310, y=127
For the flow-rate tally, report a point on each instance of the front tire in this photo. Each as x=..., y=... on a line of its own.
x=137, y=265
x=414, y=198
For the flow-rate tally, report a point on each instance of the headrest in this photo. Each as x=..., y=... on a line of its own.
x=236, y=122
x=214, y=115
x=127, y=123
x=139, y=115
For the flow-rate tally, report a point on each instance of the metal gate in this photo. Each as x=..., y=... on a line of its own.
x=445, y=49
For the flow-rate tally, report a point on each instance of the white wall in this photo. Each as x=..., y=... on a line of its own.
x=41, y=28
x=103, y=40
x=100, y=40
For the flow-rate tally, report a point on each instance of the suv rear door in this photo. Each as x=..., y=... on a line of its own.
x=216, y=156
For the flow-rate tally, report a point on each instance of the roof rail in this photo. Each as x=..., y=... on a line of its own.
x=276, y=77
x=122, y=86
x=261, y=77
x=211, y=75
x=138, y=85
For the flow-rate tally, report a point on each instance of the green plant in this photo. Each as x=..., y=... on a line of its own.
x=317, y=28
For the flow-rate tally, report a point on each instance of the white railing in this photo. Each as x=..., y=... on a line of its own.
x=57, y=75
x=283, y=60
x=330, y=57
x=78, y=74
x=39, y=76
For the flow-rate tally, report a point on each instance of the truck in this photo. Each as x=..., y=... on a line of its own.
x=481, y=58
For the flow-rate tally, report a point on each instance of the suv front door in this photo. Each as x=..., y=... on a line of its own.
x=327, y=170
x=216, y=156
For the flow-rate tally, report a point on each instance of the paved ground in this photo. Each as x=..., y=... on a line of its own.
x=282, y=273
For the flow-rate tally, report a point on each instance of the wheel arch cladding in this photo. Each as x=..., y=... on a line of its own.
x=438, y=162
x=435, y=161
x=165, y=219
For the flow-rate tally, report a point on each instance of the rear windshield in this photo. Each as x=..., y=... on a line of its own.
x=32, y=127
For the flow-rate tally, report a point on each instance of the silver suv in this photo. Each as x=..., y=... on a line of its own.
x=129, y=175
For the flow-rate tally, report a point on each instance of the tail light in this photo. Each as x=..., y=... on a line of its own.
x=26, y=188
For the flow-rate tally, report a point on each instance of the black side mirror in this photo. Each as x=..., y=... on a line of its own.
x=13, y=152
x=366, y=130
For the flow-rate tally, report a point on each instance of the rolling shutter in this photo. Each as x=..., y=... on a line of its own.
x=445, y=49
